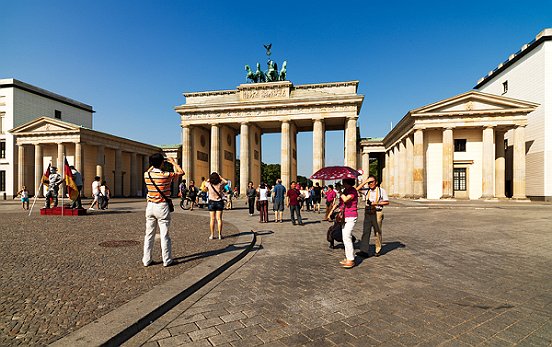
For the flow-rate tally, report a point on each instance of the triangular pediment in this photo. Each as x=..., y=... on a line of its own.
x=474, y=102
x=44, y=125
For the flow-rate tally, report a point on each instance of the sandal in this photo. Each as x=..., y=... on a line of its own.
x=343, y=262
x=349, y=264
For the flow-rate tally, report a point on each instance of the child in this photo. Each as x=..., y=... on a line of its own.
x=24, y=197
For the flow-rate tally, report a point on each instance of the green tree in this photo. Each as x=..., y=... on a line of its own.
x=270, y=173
x=304, y=181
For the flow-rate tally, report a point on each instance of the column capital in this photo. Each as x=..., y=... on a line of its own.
x=352, y=117
x=448, y=128
x=491, y=126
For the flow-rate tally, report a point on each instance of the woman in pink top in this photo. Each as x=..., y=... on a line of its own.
x=349, y=201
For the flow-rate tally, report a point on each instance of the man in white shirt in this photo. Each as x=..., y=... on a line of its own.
x=95, y=192
x=376, y=198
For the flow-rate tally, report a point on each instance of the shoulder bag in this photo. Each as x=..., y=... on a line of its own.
x=169, y=201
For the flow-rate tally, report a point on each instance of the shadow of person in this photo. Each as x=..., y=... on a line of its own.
x=390, y=246
x=200, y=255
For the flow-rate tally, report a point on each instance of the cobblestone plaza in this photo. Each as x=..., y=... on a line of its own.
x=452, y=273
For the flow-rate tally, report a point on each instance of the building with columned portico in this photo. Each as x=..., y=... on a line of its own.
x=39, y=128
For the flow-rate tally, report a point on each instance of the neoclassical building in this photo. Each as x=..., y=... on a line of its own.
x=117, y=160
x=455, y=148
x=210, y=122
x=38, y=127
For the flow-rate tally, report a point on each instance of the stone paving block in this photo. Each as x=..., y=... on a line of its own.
x=161, y=334
x=317, y=333
x=341, y=338
x=249, y=331
x=174, y=341
x=295, y=340
x=471, y=338
x=233, y=317
x=224, y=338
x=271, y=335
x=203, y=334
x=186, y=318
x=230, y=326
x=200, y=343
x=207, y=323
x=324, y=342
x=181, y=329
x=247, y=342
x=216, y=313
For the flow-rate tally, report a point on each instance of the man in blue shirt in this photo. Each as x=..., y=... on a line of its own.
x=279, y=194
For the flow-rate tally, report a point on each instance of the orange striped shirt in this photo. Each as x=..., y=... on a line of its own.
x=163, y=181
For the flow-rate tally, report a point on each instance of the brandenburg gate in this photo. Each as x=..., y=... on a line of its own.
x=211, y=121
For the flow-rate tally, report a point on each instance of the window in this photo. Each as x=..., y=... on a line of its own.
x=504, y=87
x=2, y=123
x=3, y=181
x=459, y=178
x=2, y=149
x=460, y=145
x=57, y=114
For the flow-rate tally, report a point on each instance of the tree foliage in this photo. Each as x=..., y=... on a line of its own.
x=270, y=173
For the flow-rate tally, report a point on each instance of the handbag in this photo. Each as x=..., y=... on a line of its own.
x=169, y=201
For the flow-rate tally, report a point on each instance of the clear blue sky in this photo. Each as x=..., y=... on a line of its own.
x=132, y=60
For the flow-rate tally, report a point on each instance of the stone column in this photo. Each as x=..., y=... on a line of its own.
x=100, y=161
x=293, y=151
x=391, y=171
x=133, y=174
x=118, y=173
x=500, y=165
x=402, y=168
x=215, y=148
x=39, y=170
x=365, y=164
x=488, y=159
x=245, y=158
x=351, y=143
x=396, y=169
x=285, y=154
x=187, y=152
x=60, y=153
x=448, y=163
x=21, y=167
x=318, y=146
x=418, y=173
x=519, y=163
x=409, y=181
x=384, y=179
x=78, y=158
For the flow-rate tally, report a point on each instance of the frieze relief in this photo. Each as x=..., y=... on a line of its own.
x=272, y=112
x=265, y=93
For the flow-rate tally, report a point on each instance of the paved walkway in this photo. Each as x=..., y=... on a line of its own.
x=451, y=273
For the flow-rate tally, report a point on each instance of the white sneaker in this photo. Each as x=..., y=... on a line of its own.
x=91, y=208
x=210, y=237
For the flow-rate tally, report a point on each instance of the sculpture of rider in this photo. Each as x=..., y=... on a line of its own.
x=54, y=181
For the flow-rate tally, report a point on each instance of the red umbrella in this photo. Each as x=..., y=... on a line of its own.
x=335, y=173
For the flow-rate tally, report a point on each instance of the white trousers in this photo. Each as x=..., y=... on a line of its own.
x=157, y=214
x=347, y=232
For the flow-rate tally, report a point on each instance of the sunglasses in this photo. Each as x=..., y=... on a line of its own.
x=371, y=182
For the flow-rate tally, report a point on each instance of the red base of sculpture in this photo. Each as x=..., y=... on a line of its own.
x=66, y=211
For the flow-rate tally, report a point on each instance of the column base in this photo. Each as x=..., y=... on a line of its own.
x=447, y=197
x=487, y=197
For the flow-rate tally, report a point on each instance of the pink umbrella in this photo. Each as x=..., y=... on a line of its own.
x=335, y=173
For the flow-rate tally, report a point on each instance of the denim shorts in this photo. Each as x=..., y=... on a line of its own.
x=215, y=205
